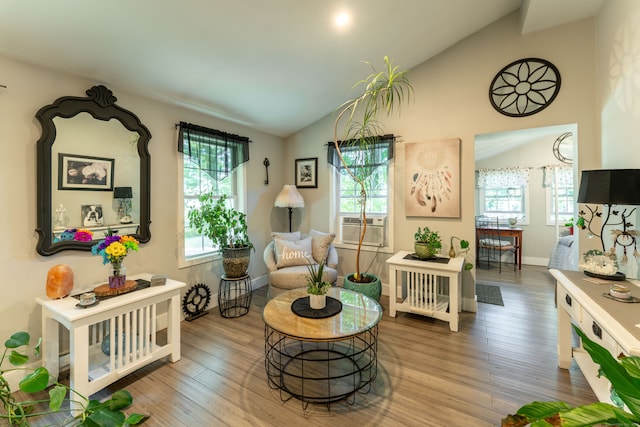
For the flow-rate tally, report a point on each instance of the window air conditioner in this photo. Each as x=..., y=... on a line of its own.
x=376, y=230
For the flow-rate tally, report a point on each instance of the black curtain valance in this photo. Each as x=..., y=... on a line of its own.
x=379, y=152
x=216, y=152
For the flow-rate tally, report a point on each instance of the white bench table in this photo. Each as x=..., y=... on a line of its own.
x=428, y=288
x=135, y=318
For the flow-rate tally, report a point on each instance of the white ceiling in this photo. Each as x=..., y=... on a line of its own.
x=273, y=65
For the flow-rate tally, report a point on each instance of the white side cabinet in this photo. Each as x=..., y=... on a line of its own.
x=428, y=288
x=96, y=358
x=612, y=324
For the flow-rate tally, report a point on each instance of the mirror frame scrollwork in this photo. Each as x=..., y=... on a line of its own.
x=100, y=104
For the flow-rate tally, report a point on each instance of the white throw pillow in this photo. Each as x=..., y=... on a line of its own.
x=320, y=243
x=290, y=253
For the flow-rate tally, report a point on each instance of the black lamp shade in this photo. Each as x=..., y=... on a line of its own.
x=610, y=187
x=122, y=193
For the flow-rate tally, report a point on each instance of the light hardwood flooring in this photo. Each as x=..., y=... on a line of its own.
x=501, y=358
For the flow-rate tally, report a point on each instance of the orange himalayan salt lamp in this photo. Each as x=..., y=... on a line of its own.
x=59, y=281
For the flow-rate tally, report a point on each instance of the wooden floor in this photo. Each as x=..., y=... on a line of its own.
x=502, y=358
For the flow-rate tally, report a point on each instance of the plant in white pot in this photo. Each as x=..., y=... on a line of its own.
x=383, y=91
x=227, y=229
x=316, y=287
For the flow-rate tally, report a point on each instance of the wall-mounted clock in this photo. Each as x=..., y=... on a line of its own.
x=524, y=87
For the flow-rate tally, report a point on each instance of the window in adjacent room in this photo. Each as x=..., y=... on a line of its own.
x=375, y=165
x=503, y=193
x=211, y=161
x=558, y=184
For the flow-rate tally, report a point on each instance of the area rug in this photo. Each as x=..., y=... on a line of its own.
x=489, y=294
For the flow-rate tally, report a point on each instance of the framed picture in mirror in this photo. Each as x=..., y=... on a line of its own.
x=78, y=172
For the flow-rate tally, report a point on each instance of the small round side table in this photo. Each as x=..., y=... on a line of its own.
x=234, y=296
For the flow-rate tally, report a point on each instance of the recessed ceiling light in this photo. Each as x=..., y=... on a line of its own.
x=342, y=19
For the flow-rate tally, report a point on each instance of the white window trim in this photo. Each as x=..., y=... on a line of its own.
x=521, y=221
x=334, y=212
x=548, y=214
x=242, y=203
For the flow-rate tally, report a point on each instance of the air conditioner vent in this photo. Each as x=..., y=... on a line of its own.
x=376, y=230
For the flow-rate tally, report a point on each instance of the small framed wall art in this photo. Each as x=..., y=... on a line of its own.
x=78, y=172
x=307, y=173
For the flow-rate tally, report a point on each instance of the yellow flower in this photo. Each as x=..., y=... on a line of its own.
x=116, y=250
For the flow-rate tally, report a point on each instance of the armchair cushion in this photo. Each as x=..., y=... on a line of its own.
x=320, y=243
x=291, y=253
x=293, y=235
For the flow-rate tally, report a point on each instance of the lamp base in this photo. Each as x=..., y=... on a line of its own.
x=125, y=220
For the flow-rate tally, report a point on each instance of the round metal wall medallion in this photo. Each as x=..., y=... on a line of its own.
x=524, y=87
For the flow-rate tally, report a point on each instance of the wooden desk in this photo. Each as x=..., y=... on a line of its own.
x=514, y=232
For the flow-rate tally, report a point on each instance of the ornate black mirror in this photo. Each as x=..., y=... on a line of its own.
x=93, y=172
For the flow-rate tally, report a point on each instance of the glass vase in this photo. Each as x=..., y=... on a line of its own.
x=117, y=275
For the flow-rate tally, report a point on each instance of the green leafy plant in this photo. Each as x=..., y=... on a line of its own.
x=225, y=226
x=624, y=375
x=431, y=238
x=315, y=284
x=94, y=413
x=464, y=249
x=383, y=91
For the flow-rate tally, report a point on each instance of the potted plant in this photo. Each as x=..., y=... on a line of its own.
x=227, y=229
x=316, y=287
x=625, y=383
x=382, y=91
x=94, y=413
x=464, y=249
x=426, y=243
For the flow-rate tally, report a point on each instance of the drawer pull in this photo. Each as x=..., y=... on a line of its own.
x=567, y=298
x=597, y=331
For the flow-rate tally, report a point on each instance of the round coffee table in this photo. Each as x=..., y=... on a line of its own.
x=321, y=360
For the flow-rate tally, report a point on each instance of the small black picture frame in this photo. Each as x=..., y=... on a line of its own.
x=80, y=172
x=307, y=173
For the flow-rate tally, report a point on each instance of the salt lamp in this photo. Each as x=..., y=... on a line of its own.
x=59, y=281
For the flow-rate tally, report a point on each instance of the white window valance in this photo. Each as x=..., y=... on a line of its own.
x=503, y=178
x=562, y=175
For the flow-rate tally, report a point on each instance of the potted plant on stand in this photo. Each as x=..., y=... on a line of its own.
x=227, y=229
x=316, y=287
x=426, y=243
x=358, y=117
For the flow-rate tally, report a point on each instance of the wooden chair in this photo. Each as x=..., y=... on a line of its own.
x=490, y=244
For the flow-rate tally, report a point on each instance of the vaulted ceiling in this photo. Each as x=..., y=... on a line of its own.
x=273, y=65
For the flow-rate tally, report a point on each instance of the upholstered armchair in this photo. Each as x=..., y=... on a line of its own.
x=288, y=255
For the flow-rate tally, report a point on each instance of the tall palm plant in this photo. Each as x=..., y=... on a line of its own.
x=383, y=91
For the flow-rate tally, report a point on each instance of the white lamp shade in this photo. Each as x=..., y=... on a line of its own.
x=289, y=197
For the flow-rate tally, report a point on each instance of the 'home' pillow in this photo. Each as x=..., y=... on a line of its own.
x=290, y=253
x=320, y=243
x=293, y=235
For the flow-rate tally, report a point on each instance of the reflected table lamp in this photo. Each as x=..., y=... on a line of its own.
x=290, y=198
x=124, y=196
x=610, y=187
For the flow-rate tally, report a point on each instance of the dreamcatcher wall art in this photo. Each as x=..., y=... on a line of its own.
x=433, y=179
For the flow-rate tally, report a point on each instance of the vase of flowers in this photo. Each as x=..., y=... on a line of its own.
x=113, y=250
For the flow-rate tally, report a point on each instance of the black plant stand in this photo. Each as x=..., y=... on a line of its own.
x=234, y=296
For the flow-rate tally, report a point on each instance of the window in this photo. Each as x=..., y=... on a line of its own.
x=503, y=193
x=371, y=164
x=210, y=163
x=558, y=183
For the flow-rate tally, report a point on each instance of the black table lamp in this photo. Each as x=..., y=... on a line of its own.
x=124, y=196
x=610, y=187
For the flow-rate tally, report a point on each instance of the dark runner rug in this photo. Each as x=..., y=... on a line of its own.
x=489, y=294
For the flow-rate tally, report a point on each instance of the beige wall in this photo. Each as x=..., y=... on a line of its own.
x=24, y=271
x=618, y=77
x=451, y=101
